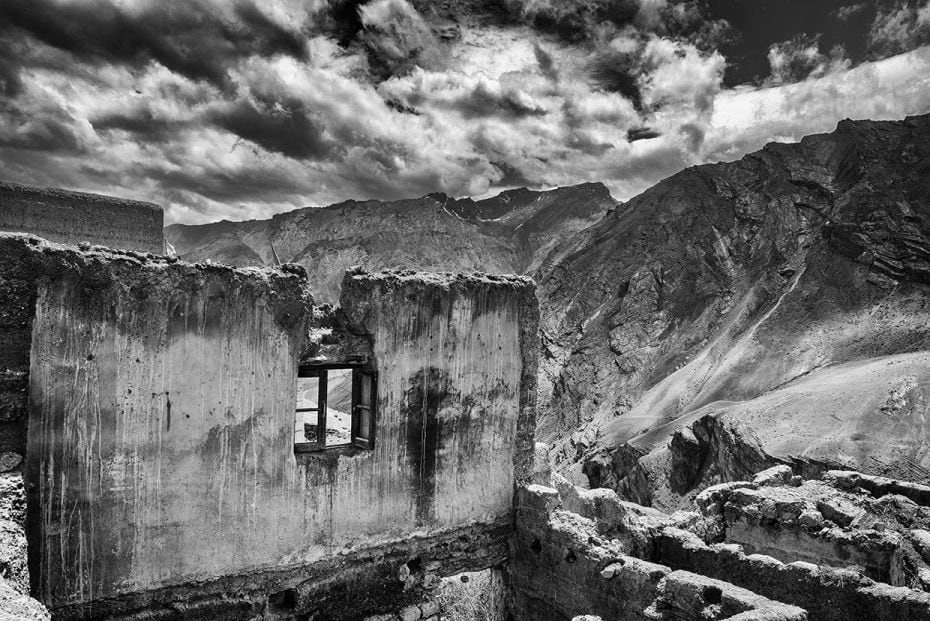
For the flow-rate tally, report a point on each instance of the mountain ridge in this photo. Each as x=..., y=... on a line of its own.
x=430, y=232
x=728, y=282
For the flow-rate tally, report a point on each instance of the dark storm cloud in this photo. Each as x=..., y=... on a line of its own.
x=511, y=176
x=188, y=38
x=641, y=133
x=244, y=108
x=617, y=73
x=546, y=63
x=396, y=38
x=143, y=124
x=226, y=186
x=10, y=83
x=481, y=102
x=284, y=127
x=39, y=126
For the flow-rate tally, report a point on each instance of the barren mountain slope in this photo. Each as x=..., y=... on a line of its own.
x=508, y=233
x=763, y=292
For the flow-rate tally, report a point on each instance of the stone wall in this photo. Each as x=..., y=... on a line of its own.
x=564, y=565
x=163, y=480
x=565, y=534
x=74, y=217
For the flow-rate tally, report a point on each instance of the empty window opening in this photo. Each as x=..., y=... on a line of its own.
x=335, y=407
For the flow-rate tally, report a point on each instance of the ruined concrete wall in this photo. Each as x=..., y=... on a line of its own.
x=456, y=361
x=161, y=441
x=74, y=217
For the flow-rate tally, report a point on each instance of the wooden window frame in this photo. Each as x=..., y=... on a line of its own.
x=356, y=440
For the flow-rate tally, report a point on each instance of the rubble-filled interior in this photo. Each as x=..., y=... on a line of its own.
x=153, y=465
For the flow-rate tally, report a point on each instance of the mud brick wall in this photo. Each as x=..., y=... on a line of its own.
x=161, y=469
x=74, y=217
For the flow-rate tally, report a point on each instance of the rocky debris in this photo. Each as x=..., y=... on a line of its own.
x=775, y=476
x=920, y=539
x=839, y=511
x=427, y=610
x=879, y=486
x=684, y=595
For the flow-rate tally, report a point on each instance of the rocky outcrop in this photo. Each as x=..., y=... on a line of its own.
x=513, y=232
x=740, y=315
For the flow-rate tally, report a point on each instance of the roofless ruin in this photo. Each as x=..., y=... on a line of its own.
x=195, y=441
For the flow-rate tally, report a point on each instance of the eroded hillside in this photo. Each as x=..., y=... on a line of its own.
x=778, y=303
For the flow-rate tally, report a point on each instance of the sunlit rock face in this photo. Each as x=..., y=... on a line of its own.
x=779, y=303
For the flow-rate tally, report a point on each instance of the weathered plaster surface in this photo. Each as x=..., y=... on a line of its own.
x=159, y=445
x=456, y=361
x=74, y=217
x=161, y=462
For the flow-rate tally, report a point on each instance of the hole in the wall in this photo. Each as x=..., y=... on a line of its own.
x=536, y=546
x=712, y=595
x=283, y=600
x=570, y=556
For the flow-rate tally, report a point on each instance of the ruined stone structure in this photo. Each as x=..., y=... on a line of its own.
x=165, y=453
x=74, y=217
x=848, y=546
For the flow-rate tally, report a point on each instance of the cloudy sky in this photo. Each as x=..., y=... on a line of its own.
x=243, y=108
